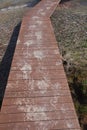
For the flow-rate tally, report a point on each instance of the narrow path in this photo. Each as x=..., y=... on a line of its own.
x=37, y=95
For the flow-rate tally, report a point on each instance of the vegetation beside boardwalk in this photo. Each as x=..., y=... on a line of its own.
x=70, y=26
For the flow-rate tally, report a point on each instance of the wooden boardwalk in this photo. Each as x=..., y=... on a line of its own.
x=37, y=95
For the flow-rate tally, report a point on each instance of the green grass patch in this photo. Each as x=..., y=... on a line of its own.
x=83, y=110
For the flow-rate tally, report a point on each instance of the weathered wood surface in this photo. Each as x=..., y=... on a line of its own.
x=37, y=95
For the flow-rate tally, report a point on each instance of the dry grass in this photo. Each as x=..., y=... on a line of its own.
x=70, y=25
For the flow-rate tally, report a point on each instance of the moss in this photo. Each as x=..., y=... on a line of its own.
x=82, y=109
x=84, y=44
x=84, y=86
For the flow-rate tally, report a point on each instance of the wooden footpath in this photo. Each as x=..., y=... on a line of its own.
x=37, y=95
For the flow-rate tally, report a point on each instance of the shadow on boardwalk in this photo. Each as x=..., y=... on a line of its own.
x=6, y=62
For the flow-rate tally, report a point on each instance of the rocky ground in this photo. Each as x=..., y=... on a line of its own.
x=7, y=3
x=70, y=26
x=8, y=21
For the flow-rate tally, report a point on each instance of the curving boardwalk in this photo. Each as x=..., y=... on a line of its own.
x=37, y=95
